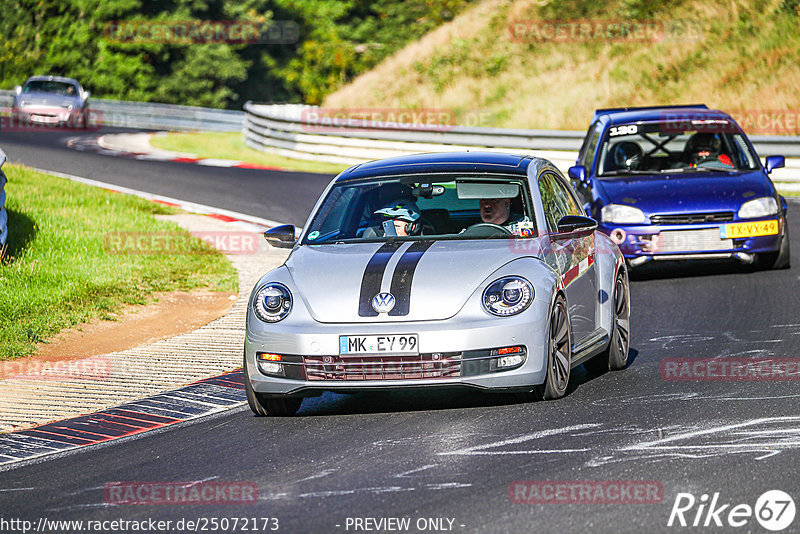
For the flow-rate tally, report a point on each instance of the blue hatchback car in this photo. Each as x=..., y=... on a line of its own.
x=681, y=183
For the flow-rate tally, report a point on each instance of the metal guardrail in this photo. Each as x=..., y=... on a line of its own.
x=154, y=116
x=295, y=131
x=305, y=132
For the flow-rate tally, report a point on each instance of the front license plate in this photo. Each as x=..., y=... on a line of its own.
x=43, y=118
x=748, y=229
x=396, y=344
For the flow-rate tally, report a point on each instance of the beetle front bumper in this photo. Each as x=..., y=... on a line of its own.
x=465, y=354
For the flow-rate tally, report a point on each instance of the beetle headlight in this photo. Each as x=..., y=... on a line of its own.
x=508, y=296
x=273, y=303
x=622, y=214
x=758, y=207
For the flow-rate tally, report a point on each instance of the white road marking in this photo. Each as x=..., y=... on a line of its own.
x=481, y=449
x=417, y=470
x=448, y=485
x=662, y=443
x=321, y=474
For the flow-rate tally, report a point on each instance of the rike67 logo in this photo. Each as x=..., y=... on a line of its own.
x=774, y=510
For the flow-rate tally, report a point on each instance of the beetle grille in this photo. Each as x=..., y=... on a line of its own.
x=444, y=365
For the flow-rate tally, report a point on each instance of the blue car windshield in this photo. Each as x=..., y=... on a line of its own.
x=421, y=207
x=674, y=146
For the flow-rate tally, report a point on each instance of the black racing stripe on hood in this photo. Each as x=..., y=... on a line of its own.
x=404, y=275
x=373, y=275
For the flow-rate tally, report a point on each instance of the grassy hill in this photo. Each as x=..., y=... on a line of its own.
x=496, y=64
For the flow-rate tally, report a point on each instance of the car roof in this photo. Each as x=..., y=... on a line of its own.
x=473, y=162
x=50, y=78
x=655, y=113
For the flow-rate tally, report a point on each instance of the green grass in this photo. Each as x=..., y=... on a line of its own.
x=731, y=54
x=231, y=145
x=58, y=269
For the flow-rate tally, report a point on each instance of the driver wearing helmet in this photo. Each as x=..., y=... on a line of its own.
x=705, y=147
x=401, y=218
x=627, y=155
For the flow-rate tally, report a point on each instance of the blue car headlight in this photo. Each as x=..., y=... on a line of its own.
x=506, y=296
x=273, y=302
x=758, y=207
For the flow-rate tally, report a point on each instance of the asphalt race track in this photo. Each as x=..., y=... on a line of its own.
x=284, y=196
x=451, y=455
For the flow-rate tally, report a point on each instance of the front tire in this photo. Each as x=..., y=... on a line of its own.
x=559, y=358
x=780, y=259
x=264, y=406
x=615, y=356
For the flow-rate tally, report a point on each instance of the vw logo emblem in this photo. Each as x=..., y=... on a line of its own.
x=383, y=302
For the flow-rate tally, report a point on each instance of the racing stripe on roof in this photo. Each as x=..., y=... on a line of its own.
x=373, y=275
x=404, y=275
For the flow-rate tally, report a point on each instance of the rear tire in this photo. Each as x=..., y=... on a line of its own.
x=264, y=406
x=615, y=356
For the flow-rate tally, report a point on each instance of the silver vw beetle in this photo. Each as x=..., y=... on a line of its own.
x=466, y=269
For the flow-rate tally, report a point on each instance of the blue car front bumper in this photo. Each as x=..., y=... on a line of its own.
x=688, y=241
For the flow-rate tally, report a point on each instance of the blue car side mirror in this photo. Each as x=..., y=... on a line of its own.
x=578, y=172
x=774, y=162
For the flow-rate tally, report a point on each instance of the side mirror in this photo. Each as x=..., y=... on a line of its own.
x=774, y=162
x=281, y=236
x=86, y=95
x=18, y=89
x=578, y=172
x=2, y=158
x=575, y=226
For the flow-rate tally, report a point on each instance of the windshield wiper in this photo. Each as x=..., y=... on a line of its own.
x=716, y=169
x=623, y=172
x=709, y=169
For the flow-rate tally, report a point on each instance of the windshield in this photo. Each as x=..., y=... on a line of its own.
x=47, y=86
x=423, y=207
x=715, y=145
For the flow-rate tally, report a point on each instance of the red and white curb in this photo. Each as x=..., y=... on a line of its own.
x=137, y=146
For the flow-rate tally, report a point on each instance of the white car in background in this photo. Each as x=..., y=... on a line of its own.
x=51, y=101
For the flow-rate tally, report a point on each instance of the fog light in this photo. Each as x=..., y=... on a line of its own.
x=268, y=363
x=269, y=368
x=618, y=236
